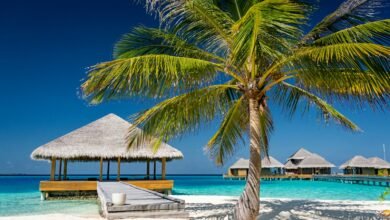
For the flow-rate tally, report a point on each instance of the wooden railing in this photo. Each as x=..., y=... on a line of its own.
x=61, y=186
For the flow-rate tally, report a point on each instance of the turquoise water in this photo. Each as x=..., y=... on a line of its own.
x=19, y=195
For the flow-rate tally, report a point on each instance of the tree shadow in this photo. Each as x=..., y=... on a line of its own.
x=287, y=210
x=305, y=209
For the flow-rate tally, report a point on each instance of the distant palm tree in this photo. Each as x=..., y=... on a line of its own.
x=229, y=59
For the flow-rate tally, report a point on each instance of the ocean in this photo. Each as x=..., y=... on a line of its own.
x=19, y=195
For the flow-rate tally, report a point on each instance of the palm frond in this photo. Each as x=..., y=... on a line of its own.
x=266, y=128
x=184, y=113
x=149, y=75
x=145, y=41
x=354, y=87
x=202, y=20
x=371, y=32
x=289, y=97
x=268, y=29
x=234, y=125
x=349, y=13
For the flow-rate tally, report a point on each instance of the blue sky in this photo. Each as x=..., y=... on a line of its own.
x=45, y=48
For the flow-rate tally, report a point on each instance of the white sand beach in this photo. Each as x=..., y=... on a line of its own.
x=221, y=207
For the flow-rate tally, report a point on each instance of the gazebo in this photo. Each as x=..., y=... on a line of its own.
x=103, y=140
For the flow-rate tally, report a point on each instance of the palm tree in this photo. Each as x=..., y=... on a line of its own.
x=228, y=60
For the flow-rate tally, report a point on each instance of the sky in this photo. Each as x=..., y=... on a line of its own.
x=45, y=49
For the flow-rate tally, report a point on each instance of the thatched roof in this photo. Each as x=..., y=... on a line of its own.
x=379, y=163
x=240, y=164
x=303, y=158
x=103, y=138
x=271, y=163
x=300, y=154
x=357, y=161
x=315, y=161
x=290, y=165
x=265, y=163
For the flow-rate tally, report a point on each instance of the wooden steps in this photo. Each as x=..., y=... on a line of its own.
x=140, y=203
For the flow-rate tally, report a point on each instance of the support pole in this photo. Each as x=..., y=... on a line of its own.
x=163, y=168
x=108, y=170
x=118, y=176
x=60, y=169
x=101, y=170
x=154, y=169
x=65, y=169
x=53, y=168
x=147, y=169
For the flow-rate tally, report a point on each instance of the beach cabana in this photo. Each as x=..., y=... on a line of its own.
x=306, y=162
x=382, y=167
x=358, y=165
x=103, y=141
x=269, y=166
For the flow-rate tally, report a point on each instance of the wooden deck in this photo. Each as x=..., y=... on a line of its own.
x=51, y=187
x=355, y=179
x=273, y=177
x=140, y=202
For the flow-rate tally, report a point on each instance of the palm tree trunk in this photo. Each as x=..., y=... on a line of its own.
x=247, y=207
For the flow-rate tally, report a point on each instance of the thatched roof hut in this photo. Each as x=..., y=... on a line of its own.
x=104, y=138
x=308, y=161
x=270, y=162
x=315, y=161
x=379, y=163
x=240, y=164
x=357, y=161
x=300, y=154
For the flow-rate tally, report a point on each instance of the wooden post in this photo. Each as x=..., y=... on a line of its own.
x=53, y=168
x=65, y=169
x=60, y=169
x=154, y=169
x=147, y=169
x=101, y=170
x=108, y=169
x=118, y=176
x=163, y=168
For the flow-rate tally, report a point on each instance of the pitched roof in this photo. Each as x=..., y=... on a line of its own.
x=303, y=158
x=300, y=154
x=103, y=138
x=290, y=165
x=240, y=164
x=265, y=163
x=379, y=163
x=271, y=163
x=357, y=161
x=315, y=161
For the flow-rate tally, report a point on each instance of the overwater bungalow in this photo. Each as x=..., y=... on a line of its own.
x=102, y=141
x=358, y=165
x=382, y=167
x=306, y=162
x=269, y=166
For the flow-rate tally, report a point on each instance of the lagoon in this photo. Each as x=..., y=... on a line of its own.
x=19, y=195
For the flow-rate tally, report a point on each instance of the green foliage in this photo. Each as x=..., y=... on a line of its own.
x=211, y=58
x=149, y=75
x=233, y=127
x=385, y=194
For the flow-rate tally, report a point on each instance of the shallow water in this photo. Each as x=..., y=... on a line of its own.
x=19, y=195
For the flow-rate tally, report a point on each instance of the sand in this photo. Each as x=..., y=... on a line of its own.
x=221, y=207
